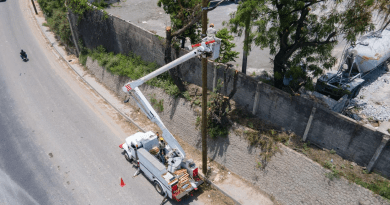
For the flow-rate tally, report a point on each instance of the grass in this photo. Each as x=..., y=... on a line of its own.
x=130, y=65
x=158, y=104
x=56, y=18
x=260, y=134
x=340, y=167
x=198, y=120
x=334, y=174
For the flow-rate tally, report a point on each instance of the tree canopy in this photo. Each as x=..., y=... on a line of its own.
x=226, y=54
x=302, y=33
x=185, y=16
x=241, y=21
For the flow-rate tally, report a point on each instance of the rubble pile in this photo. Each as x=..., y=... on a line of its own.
x=374, y=96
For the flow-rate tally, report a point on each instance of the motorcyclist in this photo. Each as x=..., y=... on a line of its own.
x=23, y=54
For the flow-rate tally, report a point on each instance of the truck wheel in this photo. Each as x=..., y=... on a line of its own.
x=129, y=159
x=158, y=188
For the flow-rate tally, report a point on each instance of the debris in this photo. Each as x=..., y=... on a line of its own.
x=356, y=117
x=154, y=151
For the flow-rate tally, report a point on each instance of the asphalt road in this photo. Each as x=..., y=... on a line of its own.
x=58, y=144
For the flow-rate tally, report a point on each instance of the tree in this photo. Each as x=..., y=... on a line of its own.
x=226, y=54
x=305, y=31
x=185, y=18
x=242, y=21
x=184, y=15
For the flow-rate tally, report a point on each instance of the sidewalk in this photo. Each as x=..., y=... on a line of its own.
x=228, y=183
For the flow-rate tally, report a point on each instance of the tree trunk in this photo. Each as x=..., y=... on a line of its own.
x=279, y=70
x=168, y=58
x=244, y=61
x=183, y=41
x=246, y=45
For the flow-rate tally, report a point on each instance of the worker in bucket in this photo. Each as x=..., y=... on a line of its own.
x=161, y=148
x=211, y=31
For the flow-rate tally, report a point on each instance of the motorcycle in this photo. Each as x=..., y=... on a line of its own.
x=24, y=57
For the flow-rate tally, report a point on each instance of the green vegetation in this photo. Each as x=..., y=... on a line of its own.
x=241, y=22
x=333, y=174
x=56, y=15
x=197, y=123
x=379, y=187
x=81, y=6
x=306, y=146
x=300, y=31
x=217, y=113
x=56, y=18
x=158, y=104
x=131, y=66
x=226, y=54
x=183, y=14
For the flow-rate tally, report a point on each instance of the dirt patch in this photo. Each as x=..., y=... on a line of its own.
x=210, y=195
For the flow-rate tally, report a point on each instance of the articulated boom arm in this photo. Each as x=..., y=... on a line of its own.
x=209, y=45
x=146, y=108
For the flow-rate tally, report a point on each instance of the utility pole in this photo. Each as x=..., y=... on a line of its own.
x=204, y=92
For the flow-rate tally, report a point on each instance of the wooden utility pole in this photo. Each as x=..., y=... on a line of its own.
x=204, y=92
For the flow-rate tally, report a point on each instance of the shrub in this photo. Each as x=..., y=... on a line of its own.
x=131, y=66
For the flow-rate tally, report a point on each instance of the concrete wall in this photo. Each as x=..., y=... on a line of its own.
x=328, y=129
x=289, y=176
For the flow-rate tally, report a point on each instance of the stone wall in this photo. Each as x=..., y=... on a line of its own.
x=290, y=177
x=328, y=129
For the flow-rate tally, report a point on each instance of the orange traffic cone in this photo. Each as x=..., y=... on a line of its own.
x=122, y=183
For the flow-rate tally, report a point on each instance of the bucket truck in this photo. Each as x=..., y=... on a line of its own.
x=173, y=175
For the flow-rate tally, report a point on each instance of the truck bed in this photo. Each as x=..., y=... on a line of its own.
x=150, y=158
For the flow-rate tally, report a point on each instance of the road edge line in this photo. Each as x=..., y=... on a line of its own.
x=68, y=64
x=124, y=115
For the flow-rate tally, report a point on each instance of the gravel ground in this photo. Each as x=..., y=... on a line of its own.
x=374, y=96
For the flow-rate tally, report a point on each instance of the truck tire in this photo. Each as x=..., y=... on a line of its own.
x=158, y=188
x=129, y=159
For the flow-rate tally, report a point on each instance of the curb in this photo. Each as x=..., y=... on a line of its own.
x=219, y=189
x=70, y=66
x=127, y=118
